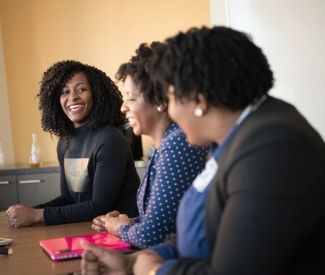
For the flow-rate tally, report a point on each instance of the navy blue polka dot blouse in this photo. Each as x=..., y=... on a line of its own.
x=171, y=170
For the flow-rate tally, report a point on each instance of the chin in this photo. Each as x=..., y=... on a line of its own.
x=196, y=142
x=136, y=131
x=193, y=141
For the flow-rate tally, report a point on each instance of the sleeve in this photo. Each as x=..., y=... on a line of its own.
x=168, y=252
x=177, y=166
x=108, y=180
x=268, y=212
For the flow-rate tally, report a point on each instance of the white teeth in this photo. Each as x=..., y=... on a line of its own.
x=74, y=107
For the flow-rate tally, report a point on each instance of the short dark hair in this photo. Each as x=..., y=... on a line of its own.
x=221, y=63
x=137, y=69
x=106, y=96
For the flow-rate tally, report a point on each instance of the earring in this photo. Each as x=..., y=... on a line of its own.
x=162, y=107
x=198, y=112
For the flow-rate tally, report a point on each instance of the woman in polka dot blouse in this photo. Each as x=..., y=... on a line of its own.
x=173, y=165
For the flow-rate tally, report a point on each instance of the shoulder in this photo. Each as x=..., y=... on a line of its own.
x=111, y=140
x=110, y=133
x=175, y=139
x=174, y=136
x=276, y=121
x=61, y=145
x=275, y=124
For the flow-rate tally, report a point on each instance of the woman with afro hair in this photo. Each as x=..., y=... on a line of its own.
x=81, y=105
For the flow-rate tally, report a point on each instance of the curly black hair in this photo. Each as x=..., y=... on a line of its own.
x=137, y=69
x=106, y=96
x=222, y=64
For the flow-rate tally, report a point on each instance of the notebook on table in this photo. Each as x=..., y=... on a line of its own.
x=69, y=247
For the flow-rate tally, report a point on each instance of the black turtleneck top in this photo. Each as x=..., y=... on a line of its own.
x=97, y=176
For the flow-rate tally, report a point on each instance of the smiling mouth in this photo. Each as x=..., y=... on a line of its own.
x=75, y=108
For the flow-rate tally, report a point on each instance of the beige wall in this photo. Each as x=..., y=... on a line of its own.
x=5, y=126
x=103, y=33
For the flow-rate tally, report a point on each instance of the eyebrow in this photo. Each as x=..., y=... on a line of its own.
x=79, y=83
x=129, y=93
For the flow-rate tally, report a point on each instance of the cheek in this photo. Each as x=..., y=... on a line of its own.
x=62, y=103
x=176, y=112
x=172, y=111
x=90, y=102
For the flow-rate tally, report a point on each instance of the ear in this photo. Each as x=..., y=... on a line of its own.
x=201, y=103
x=162, y=107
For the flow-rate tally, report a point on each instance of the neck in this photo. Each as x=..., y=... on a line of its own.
x=225, y=122
x=159, y=130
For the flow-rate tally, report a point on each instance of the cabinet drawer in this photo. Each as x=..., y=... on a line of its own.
x=34, y=189
x=8, y=192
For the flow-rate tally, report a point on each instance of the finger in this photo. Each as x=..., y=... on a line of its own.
x=97, y=222
x=92, y=266
x=104, y=219
x=98, y=219
x=95, y=227
x=108, y=257
x=89, y=256
x=9, y=212
x=11, y=207
x=12, y=221
x=98, y=228
x=87, y=272
x=114, y=213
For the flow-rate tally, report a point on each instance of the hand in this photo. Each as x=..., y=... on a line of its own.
x=99, y=222
x=97, y=260
x=112, y=223
x=21, y=216
x=146, y=261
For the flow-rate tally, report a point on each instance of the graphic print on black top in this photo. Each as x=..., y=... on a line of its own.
x=76, y=173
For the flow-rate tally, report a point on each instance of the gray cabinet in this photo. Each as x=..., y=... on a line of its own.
x=8, y=191
x=28, y=186
x=35, y=189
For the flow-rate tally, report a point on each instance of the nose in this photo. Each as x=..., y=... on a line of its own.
x=124, y=107
x=73, y=95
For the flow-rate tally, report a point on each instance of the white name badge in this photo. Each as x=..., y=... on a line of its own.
x=206, y=176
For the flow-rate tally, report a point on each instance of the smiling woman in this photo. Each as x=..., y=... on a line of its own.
x=172, y=167
x=81, y=105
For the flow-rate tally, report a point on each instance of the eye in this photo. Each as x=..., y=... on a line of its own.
x=82, y=90
x=64, y=93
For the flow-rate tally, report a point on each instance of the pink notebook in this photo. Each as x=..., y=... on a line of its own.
x=69, y=247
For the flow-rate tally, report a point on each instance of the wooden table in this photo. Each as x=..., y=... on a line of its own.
x=28, y=257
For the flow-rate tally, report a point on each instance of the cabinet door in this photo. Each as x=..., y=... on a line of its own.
x=8, y=192
x=35, y=188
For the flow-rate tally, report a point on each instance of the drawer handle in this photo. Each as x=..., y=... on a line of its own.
x=29, y=181
x=4, y=182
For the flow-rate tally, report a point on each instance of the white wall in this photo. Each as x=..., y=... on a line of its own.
x=5, y=130
x=292, y=35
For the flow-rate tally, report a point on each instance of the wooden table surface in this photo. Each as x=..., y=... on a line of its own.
x=28, y=257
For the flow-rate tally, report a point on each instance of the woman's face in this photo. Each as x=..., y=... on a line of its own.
x=76, y=99
x=140, y=114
